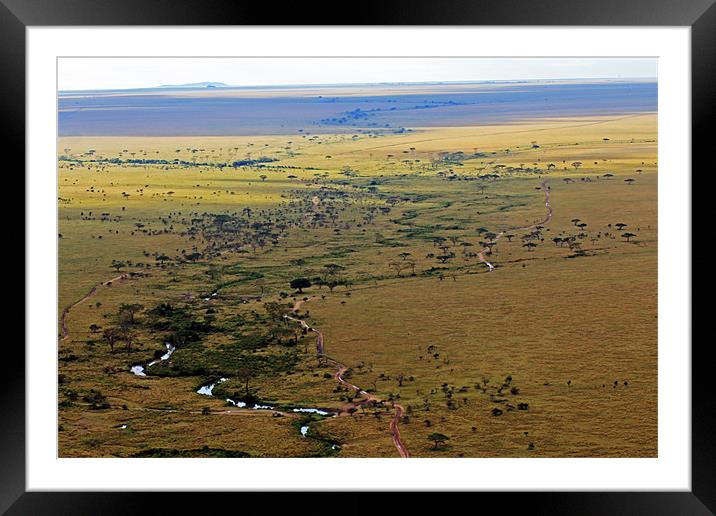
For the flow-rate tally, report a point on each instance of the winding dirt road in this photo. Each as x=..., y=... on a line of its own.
x=341, y=369
x=66, y=311
x=545, y=188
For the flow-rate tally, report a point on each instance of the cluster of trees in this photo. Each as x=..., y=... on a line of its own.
x=124, y=331
x=178, y=325
x=174, y=162
x=332, y=275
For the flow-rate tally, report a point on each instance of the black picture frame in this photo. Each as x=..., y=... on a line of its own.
x=700, y=15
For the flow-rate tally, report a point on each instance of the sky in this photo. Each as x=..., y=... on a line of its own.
x=126, y=73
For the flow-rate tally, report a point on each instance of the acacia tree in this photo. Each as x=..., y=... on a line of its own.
x=220, y=220
x=401, y=266
x=110, y=336
x=438, y=439
x=444, y=257
x=129, y=337
x=118, y=264
x=244, y=374
x=300, y=284
x=128, y=310
x=330, y=271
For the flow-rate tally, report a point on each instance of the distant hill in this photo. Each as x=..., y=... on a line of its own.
x=196, y=85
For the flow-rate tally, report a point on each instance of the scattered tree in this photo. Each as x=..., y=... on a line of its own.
x=438, y=439
x=300, y=284
x=128, y=311
x=118, y=264
x=110, y=336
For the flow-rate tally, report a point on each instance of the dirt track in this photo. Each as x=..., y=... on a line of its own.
x=66, y=311
x=547, y=218
x=341, y=370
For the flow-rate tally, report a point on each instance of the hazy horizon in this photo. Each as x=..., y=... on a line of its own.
x=97, y=74
x=199, y=84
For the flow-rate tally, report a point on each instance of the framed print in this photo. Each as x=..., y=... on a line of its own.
x=443, y=252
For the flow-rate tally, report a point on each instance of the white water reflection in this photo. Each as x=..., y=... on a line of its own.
x=241, y=404
x=170, y=349
x=138, y=369
x=312, y=411
x=208, y=390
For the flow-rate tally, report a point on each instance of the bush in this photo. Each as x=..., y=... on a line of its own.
x=96, y=399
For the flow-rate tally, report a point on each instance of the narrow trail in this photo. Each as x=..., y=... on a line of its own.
x=93, y=290
x=486, y=250
x=341, y=369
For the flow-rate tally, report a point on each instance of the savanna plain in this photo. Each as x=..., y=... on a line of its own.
x=390, y=274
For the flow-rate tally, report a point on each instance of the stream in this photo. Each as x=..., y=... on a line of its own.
x=138, y=369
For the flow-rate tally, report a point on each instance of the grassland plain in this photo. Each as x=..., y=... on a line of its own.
x=552, y=354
